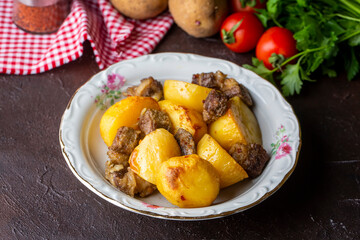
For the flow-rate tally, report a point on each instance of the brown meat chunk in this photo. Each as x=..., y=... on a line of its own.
x=185, y=141
x=251, y=157
x=117, y=169
x=215, y=106
x=220, y=78
x=149, y=87
x=232, y=88
x=151, y=119
x=127, y=181
x=125, y=141
x=118, y=157
x=210, y=80
x=205, y=80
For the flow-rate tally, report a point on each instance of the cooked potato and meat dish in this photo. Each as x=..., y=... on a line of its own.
x=188, y=140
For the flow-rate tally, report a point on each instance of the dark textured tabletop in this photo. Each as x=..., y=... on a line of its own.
x=40, y=198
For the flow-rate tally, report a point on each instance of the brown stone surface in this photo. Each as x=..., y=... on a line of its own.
x=40, y=198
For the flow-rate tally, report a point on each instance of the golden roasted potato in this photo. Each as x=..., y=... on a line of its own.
x=157, y=147
x=124, y=113
x=186, y=94
x=140, y=9
x=239, y=124
x=188, y=181
x=229, y=170
x=182, y=117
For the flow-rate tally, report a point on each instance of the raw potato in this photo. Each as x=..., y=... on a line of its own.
x=157, y=147
x=239, y=124
x=143, y=9
x=201, y=18
x=229, y=170
x=188, y=181
x=124, y=113
x=186, y=94
x=182, y=117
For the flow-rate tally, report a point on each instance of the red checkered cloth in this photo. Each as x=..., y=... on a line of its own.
x=112, y=37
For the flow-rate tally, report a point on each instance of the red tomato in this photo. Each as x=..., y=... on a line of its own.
x=236, y=5
x=275, y=40
x=241, y=31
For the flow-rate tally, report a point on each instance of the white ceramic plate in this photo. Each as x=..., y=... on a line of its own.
x=85, y=152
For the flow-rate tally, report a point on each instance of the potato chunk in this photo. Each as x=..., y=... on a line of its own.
x=188, y=181
x=182, y=117
x=157, y=147
x=229, y=170
x=239, y=124
x=186, y=94
x=124, y=113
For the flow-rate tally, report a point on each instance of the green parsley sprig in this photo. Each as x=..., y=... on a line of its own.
x=327, y=33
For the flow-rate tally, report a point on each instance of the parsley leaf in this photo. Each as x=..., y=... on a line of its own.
x=355, y=40
x=328, y=71
x=260, y=69
x=291, y=80
x=263, y=16
x=352, y=65
x=302, y=3
x=274, y=8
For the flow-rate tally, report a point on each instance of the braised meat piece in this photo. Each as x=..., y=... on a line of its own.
x=117, y=169
x=215, y=106
x=126, y=180
x=220, y=78
x=251, y=157
x=149, y=87
x=185, y=141
x=151, y=119
x=125, y=141
x=210, y=80
x=118, y=157
x=232, y=88
x=205, y=80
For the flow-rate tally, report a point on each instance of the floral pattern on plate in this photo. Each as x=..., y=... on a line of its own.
x=281, y=147
x=110, y=91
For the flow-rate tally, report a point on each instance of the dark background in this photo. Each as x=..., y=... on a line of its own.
x=41, y=199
